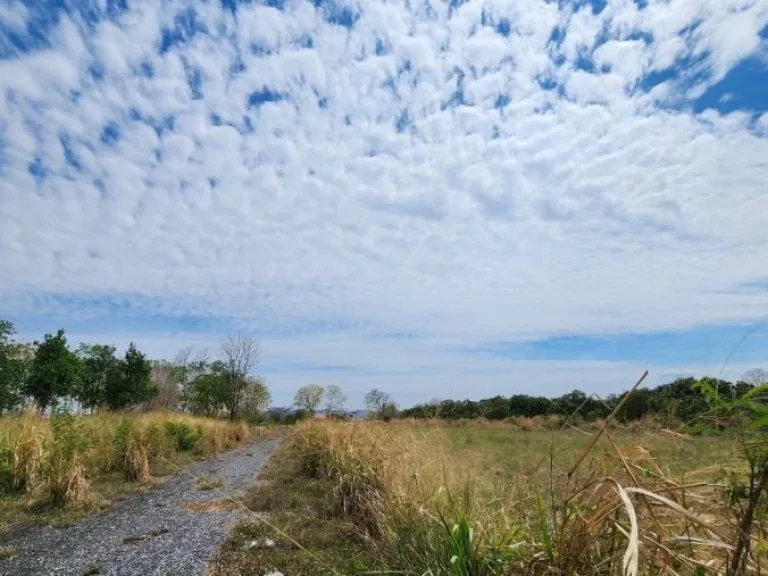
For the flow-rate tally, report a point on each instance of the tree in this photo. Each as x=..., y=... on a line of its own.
x=432, y=408
x=756, y=377
x=165, y=377
x=256, y=398
x=376, y=400
x=206, y=394
x=388, y=411
x=186, y=369
x=334, y=399
x=133, y=386
x=309, y=397
x=54, y=373
x=241, y=355
x=98, y=367
x=14, y=364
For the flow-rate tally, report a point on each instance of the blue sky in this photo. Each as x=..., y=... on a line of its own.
x=434, y=198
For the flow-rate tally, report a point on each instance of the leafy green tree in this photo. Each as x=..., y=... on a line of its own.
x=578, y=402
x=530, y=406
x=14, y=364
x=133, y=386
x=54, y=372
x=681, y=399
x=388, y=411
x=635, y=407
x=186, y=369
x=206, y=394
x=99, y=367
x=256, y=398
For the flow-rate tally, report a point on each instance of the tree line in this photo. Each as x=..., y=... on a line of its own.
x=331, y=400
x=680, y=400
x=49, y=373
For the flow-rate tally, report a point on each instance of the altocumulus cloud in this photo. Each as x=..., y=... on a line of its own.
x=389, y=192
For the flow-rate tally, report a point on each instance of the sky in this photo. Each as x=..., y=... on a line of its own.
x=435, y=198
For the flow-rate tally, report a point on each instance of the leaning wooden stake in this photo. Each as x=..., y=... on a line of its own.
x=599, y=433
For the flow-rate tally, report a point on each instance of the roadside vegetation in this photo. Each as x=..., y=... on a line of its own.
x=68, y=465
x=81, y=425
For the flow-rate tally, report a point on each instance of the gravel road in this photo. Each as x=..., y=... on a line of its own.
x=151, y=534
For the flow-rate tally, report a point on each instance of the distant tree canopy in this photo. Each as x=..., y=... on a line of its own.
x=54, y=373
x=381, y=405
x=98, y=367
x=680, y=400
x=49, y=373
x=309, y=397
x=132, y=384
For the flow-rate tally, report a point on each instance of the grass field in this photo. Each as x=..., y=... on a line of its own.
x=343, y=498
x=61, y=468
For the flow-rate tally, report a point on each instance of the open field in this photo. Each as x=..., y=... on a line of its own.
x=480, y=500
x=61, y=468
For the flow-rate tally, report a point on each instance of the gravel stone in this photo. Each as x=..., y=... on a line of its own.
x=150, y=534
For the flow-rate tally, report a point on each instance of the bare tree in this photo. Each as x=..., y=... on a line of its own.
x=376, y=400
x=756, y=376
x=309, y=397
x=241, y=354
x=334, y=399
x=164, y=378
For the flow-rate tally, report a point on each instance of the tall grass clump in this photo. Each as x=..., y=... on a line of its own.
x=64, y=477
x=54, y=460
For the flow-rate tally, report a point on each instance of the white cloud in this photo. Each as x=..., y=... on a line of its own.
x=365, y=193
x=14, y=15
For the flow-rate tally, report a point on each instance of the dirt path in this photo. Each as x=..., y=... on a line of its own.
x=152, y=534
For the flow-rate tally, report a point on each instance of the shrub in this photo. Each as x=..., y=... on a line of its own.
x=186, y=436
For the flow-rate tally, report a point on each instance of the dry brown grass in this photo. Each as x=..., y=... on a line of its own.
x=639, y=503
x=57, y=460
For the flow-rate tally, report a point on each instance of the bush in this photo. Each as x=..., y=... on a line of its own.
x=185, y=436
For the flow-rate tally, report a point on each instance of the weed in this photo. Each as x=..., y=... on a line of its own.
x=92, y=570
x=6, y=552
x=186, y=436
